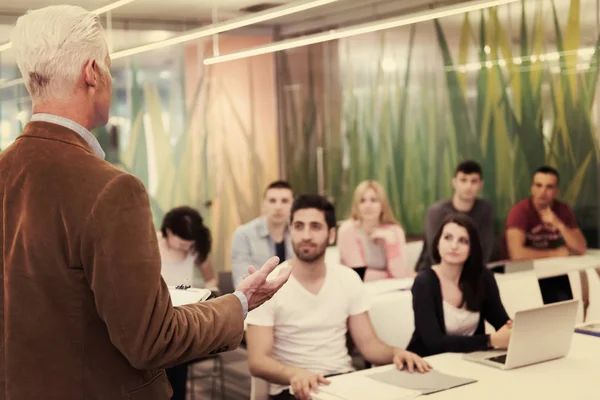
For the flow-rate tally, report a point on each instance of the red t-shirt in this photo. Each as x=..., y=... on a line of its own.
x=538, y=235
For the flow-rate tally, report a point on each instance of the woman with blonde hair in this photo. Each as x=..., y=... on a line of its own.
x=372, y=240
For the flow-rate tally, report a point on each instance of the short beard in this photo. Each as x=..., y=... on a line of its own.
x=312, y=258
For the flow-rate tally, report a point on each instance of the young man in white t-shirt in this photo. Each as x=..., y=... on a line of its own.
x=298, y=338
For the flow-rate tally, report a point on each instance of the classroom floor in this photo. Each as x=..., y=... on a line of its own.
x=237, y=378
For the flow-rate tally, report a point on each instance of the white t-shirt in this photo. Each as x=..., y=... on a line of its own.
x=178, y=273
x=310, y=330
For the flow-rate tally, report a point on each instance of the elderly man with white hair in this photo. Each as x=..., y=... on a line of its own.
x=85, y=313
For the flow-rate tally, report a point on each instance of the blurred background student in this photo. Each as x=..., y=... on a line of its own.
x=372, y=241
x=184, y=242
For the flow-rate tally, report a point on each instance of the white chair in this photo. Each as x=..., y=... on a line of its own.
x=413, y=252
x=259, y=389
x=519, y=291
x=392, y=317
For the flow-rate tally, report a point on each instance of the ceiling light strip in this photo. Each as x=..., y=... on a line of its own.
x=426, y=15
x=225, y=26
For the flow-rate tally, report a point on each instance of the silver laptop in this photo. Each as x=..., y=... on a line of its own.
x=538, y=334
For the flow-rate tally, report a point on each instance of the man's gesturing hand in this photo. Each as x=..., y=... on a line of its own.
x=257, y=289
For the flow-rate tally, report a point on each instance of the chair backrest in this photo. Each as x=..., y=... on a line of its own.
x=225, y=283
x=519, y=291
x=413, y=252
x=259, y=389
x=392, y=317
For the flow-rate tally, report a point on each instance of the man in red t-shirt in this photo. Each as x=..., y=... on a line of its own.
x=540, y=227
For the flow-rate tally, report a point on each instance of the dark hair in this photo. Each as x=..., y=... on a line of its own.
x=278, y=185
x=315, y=201
x=187, y=223
x=470, y=281
x=469, y=167
x=546, y=169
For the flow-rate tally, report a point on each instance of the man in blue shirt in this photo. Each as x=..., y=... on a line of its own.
x=266, y=236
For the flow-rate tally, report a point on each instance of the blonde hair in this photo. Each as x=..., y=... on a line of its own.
x=387, y=215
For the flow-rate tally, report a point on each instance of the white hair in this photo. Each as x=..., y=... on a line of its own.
x=51, y=46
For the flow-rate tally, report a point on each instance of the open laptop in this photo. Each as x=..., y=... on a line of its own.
x=538, y=334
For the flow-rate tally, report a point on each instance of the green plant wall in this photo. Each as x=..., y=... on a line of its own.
x=501, y=91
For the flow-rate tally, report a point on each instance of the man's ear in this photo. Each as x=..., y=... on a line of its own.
x=89, y=73
x=332, y=234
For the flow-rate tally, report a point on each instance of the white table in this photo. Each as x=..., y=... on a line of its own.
x=556, y=266
x=574, y=377
x=383, y=286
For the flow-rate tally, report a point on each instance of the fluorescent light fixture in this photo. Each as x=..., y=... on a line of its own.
x=426, y=15
x=99, y=11
x=112, y=6
x=14, y=82
x=224, y=26
x=544, y=57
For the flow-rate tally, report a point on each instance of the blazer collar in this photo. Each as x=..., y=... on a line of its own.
x=59, y=133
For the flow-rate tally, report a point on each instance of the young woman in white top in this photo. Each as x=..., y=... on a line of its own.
x=184, y=242
x=453, y=298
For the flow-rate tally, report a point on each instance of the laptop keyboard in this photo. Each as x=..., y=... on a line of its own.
x=499, y=359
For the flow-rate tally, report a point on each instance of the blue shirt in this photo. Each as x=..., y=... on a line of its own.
x=252, y=245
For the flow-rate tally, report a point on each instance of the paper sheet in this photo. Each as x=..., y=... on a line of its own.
x=430, y=382
x=360, y=387
x=180, y=297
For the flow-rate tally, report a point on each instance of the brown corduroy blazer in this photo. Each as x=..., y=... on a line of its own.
x=85, y=313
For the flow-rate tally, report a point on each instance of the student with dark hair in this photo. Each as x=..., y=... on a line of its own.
x=184, y=243
x=453, y=298
x=467, y=182
x=265, y=236
x=542, y=226
x=298, y=338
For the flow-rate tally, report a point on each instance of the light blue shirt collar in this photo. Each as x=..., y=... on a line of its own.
x=74, y=126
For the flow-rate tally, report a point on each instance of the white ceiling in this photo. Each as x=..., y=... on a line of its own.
x=147, y=9
x=146, y=21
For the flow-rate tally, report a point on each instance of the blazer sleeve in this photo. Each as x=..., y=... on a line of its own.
x=493, y=308
x=122, y=265
x=429, y=327
x=349, y=246
x=396, y=254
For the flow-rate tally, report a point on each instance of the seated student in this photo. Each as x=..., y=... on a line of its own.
x=298, y=337
x=264, y=237
x=542, y=226
x=467, y=183
x=453, y=298
x=184, y=243
x=372, y=241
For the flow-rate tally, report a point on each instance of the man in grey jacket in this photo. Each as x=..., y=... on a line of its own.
x=467, y=182
x=266, y=236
